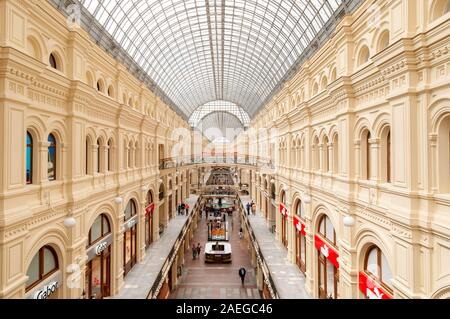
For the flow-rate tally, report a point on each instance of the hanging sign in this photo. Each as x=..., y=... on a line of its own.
x=327, y=250
x=299, y=225
x=371, y=288
x=283, y=210
x=150, y=209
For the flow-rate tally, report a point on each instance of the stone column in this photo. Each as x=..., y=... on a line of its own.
x=95, y=162
x=358, y=163
x=374, y=156
x=117, y=272
x=43, y=156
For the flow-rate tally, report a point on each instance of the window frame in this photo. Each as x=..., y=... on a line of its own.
x=43, y=276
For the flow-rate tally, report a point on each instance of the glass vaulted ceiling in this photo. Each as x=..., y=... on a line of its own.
x=199, y=51
x=219, y=106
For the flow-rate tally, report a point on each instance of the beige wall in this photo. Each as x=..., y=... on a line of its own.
x=405, y=88
x=41, y=100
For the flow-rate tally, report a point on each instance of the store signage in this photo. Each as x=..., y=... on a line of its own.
x=131, y=222
x=283, y=210
x=299, y=225
x=46, y=291
x=327, y=250
x=371, y=288
x=101, y=247
x=150, y=209
x=96, y=250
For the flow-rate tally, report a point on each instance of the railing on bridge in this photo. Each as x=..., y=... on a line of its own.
x=174, y=162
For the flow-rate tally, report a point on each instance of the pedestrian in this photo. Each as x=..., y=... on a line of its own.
x=199, y=249
x=182, y=208
x=187, y=209
x=248, y=208
x=242, y=273
x=194, y=252
x=240, y=233
x=179, y=209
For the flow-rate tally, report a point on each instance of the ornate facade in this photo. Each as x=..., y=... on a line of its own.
x=363, y=140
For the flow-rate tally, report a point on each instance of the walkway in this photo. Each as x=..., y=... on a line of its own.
x=289, y=281
x=217, y=281
x=140, y=279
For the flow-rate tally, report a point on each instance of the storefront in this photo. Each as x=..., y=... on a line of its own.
x=149, y=209
x=284, y=224
x=375, y=281
x=130, y=237
x=98, y=267
x=44, y=275
x=300, y=243
x=328, y=265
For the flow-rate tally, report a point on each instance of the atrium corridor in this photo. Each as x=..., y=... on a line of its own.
x=217, y=281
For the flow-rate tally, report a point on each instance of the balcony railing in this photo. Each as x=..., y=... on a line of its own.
x=175, y=162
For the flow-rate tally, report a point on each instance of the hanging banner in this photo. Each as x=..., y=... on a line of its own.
x=283, y=210
x=371, y=288
x=149, y=209
x=327, y=250
x=299, y=225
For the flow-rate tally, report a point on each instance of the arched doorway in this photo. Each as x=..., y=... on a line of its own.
x=328, y=266
x=98, y=267
x=161, y=213
x=149, y=209
x=130, y=236
x=284, y=219
x=300, y=236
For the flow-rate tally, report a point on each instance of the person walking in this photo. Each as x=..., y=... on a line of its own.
x=187, y=209
x=194, y=252
x=248, y=208
x=182, y=208
x=242, y=273
x=199, y=249
x=240, y=233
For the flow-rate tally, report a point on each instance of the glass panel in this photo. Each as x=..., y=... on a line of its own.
x=322, y=227
x=106, y=228
x=51, y=158
x=128, y=247
x=50, y=262
x=372, y=262
x=330, y=230
x=29, y=159
x=33, y=270
x=96, y=229
x=330, y=279
x=96, y=281
x=303, y=248
x=198, y=51
x=321, y=275
x=386, y=271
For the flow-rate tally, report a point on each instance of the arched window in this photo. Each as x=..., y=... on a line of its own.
x=99, y=156
x=439, y=8
x=377, y=267
x=383, y=42
x=29, y=159
x=324, y=83
x=161, y=191
x=315, y=88
x=326, y=157
x=111, y=91
x=364, y=55
x=51, y=162
x=443, y=148
x=99, y=229
x=137, y=161
x=283, y=197
x=386, y=155
x=52, y=60
x=88, y=156
x=109, y=159
x=335, y=154
x=272, y=191
x=326, y=229
x=333, y=75
x=130, y=210
x=299, y=210
x=365, y=155
x=316, y=155
x=130, y=153
x=149, y=197
x=43, y=265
